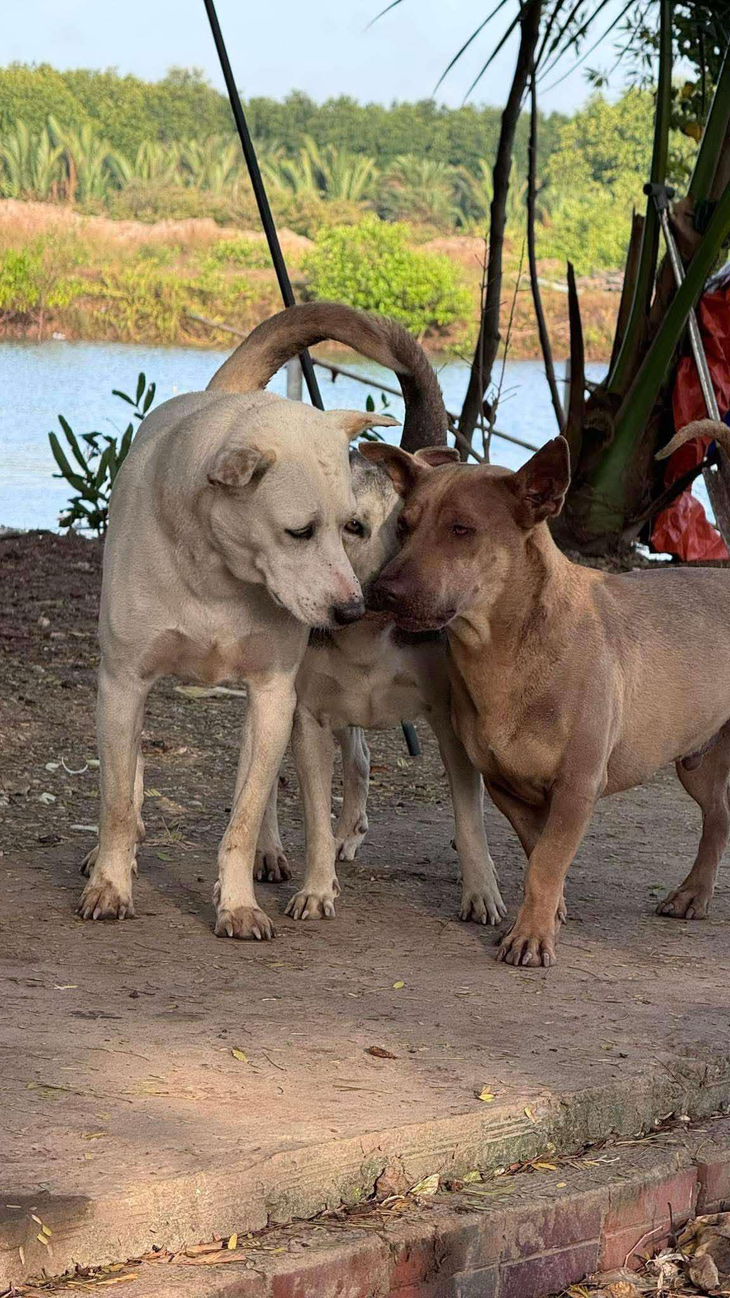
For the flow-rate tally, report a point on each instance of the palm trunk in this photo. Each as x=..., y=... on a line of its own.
x=542, y=329
x=634, y=338
x=489, y=335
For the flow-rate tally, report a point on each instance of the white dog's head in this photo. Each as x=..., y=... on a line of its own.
x=279, y=502
x=280, y=498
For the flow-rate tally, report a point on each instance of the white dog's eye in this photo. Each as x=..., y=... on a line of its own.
x=301, y=533
x=355, y=527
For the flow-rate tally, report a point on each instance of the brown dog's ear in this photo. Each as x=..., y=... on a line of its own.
x=437, y=455
x=234, y=466
x=540, y=485
x=402, y=468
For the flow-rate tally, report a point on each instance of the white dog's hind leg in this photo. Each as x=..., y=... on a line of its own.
x=352, y=822
x=120, y=710
x=267, y=730
x=271, y=863
x=313, y=746
x=481, y=899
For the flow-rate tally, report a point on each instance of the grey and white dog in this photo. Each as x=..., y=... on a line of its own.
x=369, y=676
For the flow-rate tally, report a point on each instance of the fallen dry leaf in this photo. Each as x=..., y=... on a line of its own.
x=232, y=1241
x=212, y=1246
x=379, y=1052
x=429, y=1185
x=486, y=1095
x=397, y=986
x=239, y=1055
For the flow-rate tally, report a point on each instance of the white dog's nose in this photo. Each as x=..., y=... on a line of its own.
x=343, y=614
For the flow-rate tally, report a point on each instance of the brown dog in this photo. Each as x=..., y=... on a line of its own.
x=567, y=684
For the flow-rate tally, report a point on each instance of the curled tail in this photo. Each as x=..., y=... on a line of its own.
x=271, y=344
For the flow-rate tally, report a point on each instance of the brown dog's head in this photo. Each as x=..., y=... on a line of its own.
x=462, y=530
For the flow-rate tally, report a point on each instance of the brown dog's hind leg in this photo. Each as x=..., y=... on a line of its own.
x=708, y=785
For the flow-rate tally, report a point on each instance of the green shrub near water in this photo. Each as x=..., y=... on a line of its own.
x=30, y=282
x=371, y=266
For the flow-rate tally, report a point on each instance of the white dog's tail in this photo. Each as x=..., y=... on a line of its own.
x=273, y=343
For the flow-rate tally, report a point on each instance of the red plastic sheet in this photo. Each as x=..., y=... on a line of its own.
x=683, y=529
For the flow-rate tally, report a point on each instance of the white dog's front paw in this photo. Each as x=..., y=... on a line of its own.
x=349, y=840
x=245, y=923
x=89, y=862
x=271, y=865
x=311, y=903
x=103, y=899
x=483, y=905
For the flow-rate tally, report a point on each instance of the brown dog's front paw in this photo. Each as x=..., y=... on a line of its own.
x=686, y=903
x=247, y=923
x=313, y=905
x=530, y=943
x=271, y=866
x=102, y=899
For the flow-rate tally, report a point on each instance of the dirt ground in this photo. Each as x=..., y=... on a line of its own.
x=117, y=1041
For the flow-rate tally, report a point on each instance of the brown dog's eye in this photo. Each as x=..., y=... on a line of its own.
x=401, y=527
x=460, y=529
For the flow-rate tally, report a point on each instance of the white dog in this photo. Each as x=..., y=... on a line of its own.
x=225, y=546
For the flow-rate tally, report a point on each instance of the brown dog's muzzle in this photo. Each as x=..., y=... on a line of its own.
x=398, y=592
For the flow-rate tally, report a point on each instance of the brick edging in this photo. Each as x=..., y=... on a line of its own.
x=550, y=1231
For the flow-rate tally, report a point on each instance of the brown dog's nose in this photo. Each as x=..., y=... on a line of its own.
x=387, y=593
x=343, y=614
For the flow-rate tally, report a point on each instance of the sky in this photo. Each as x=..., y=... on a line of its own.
x=324, y=47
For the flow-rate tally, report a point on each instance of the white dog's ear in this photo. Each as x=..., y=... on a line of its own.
x=354, y=422
x=234, y=466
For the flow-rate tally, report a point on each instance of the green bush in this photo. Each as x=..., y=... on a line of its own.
x=30, y=283
x=371, y=266
x=250, y=254
x=590, y=227
x=143, y=200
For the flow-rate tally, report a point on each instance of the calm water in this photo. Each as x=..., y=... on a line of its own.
x=39, y=381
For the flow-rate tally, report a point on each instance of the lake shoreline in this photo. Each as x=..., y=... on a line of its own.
x=43, y=380
x=336, y=353
x=95, y=279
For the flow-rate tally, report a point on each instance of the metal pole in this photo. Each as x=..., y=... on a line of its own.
x=294, y=379
x=259, y=190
